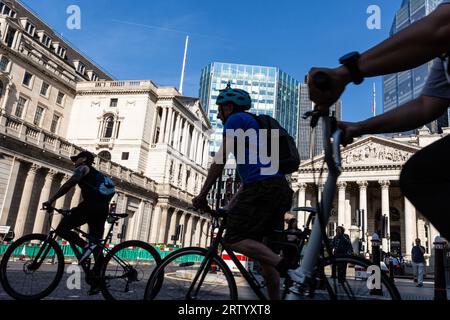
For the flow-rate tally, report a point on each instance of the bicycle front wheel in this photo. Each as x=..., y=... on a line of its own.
x=32, y=267
x=352, y=278
x=182, y=267
x=126, y=270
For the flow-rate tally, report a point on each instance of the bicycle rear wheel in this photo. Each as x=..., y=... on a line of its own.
x=352, y=278
x=179, y=270
x=126, y=270
x=32, y=267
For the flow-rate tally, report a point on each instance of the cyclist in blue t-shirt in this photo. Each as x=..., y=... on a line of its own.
x=259, y=206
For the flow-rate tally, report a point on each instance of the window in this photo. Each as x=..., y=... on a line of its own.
x=60, y=98
x=55, y=123
x=108, y=127
x=113, y=103
x=4, y=61
x=44, y=89
x=7, y=10
x=105, y=155
x=46, y=40
x=27, y=79
x=20, y=107
x=38, y=115
x=125, y=155
x=60, y=51
x=10, y=35
x=80, y=67
x=30, y=29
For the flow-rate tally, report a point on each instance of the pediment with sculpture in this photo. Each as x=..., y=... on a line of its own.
x=372, y=150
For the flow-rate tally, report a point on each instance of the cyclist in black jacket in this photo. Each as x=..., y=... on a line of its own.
x=93, y=210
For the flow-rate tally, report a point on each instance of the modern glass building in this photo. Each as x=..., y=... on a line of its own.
x=303, y=137
x=402, y=87
x=273, y=92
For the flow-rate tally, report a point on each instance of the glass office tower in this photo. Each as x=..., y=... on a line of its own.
x=402, y=87
x=303, y=137
x=273, y=92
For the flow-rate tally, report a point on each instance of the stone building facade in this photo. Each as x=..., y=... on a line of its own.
x=369, y=187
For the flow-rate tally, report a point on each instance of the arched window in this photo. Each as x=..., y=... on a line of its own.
x=108, y=127
x=105, y=155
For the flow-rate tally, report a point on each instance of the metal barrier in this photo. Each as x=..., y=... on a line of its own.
x=131, y=253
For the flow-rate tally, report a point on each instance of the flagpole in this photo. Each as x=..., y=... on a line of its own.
x=184, y=64
x=374, y=108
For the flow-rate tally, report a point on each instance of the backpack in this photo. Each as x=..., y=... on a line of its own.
x=104, y=186
x=289, y=156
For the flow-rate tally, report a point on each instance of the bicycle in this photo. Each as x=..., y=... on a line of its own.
x=196, y=271
x=33, y=265
x=213, y=273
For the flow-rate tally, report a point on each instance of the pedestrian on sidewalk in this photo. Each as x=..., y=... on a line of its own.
x=418, y=262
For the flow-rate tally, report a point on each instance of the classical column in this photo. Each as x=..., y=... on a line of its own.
x=168, y=132
x=147, y=216
x=25, y=201
x=155, y=224
x=172, y=226
x=162, y=126
x=198, y=232
x=176, y=136
x=59, y=204
x=139, y=221
x=341, y=204
x=131, y=225
x=385, y=211
x=205, y=234
x=45, y=194
x=410, y=228
x=193, y=145
x=163, y=225
x=205, y=154
x=188, y=234
x=183, y=229
x=301, y=215
x=363, y=205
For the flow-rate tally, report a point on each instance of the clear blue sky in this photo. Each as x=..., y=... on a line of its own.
x=145, y=39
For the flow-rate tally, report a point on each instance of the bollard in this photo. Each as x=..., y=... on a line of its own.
x=391, y=269
x=376, y=259
x=440, y=289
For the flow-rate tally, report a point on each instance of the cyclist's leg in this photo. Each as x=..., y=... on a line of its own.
x=96, y=222
x=425, y=181
x=258, y=211
x=75, y=219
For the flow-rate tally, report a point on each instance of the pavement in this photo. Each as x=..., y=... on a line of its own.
x=406, y=287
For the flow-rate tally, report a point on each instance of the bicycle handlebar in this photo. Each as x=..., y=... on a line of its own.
x=50, y=209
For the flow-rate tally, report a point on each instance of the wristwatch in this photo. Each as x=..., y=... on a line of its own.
x=350, y=60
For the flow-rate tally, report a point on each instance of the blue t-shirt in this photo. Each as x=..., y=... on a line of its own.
x=249, y=149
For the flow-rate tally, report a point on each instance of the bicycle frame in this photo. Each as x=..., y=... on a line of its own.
x=254, y=284
x=206, y=263
x=41, y=255
x=318, y=235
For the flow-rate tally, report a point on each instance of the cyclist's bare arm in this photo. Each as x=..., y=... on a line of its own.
x=215, y=171
x=78, y=174
x=409, y=116
x=423, y=41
